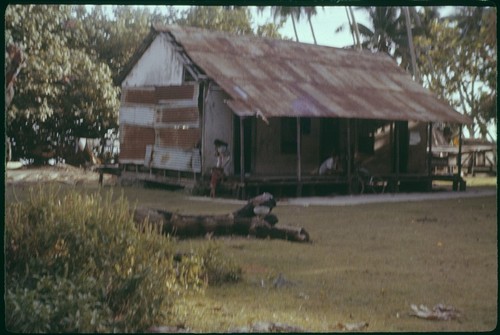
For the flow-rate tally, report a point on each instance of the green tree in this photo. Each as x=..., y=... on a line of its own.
x=392, y=31
x=62, y=89
x=282, y=13
x=235, y=20
x=464, y=73
x=113, y=37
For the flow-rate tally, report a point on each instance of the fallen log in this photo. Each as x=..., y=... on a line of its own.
x=253, y=219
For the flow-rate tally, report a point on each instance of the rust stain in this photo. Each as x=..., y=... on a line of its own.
x=134, y=141
x=285, y=78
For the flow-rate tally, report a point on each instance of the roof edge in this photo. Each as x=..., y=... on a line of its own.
x=141, y=49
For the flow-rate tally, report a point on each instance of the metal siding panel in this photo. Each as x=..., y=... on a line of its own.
x=182, y=92
x=177, y=115
x=160, y=94
x=140, y=96
x=134, y=140
x=178, y=138
x=137, y=115
x=175, y=159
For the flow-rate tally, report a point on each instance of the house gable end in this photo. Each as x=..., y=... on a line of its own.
x=159, y=65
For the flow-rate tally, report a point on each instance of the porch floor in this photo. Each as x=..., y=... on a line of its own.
x=289, y=186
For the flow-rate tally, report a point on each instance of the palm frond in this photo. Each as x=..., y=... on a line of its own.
x=365, y=31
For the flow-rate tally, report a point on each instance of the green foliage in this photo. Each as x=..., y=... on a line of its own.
x=78, y=264
x=64, y=91
x=463, y=72
x=68, y=88
x=218, y=268
x=236, y=20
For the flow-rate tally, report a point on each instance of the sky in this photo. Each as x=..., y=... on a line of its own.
x=327, y=20
x=325, y=23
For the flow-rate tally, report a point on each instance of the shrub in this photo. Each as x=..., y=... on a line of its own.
x=218, y=268
x=77, y=263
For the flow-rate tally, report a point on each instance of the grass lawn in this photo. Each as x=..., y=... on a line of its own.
x=365, y=263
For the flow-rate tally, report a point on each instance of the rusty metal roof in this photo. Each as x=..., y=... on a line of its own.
x=277, y=78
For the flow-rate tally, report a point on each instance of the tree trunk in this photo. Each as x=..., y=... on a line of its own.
x=312, y=30
x=410, y=44
x=295, y=29
x=356, y=30
x=351, y=28
x=243, y=222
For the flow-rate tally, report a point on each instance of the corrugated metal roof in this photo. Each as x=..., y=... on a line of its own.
x=276, y=78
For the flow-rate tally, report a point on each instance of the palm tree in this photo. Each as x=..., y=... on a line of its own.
x=393, y=33
x=295, y=13
x=387, y=29
x=410, y=43
x=353, y=27
x=356, y=28
x=283, y=12
x=310, y=12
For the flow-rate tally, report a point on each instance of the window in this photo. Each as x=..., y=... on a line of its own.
x=187, y=76
x=305, y=126
x=289, y=133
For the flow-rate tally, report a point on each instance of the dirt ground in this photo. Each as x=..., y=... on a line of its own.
x=369, y=260
x=61, y=173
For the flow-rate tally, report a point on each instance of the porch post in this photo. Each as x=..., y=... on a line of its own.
x=459, y=157
x=429, y=156
x=391, y=141
x=349, y=153
x=242, y=156
x=299, y=159
x=398, y=126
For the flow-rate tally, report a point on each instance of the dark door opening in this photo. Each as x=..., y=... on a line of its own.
x=404, y=142
x=247, y=144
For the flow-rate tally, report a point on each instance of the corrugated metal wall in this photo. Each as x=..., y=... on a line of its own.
x=218, y=124
x=133, y=142
x=160, y=127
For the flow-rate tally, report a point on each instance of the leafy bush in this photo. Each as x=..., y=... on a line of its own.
x=77, y=263
x=218, y=268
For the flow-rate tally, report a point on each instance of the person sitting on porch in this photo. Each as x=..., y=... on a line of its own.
x=328, y=166
x=222, y=154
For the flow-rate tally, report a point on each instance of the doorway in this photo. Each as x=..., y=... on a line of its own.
x=247, y=144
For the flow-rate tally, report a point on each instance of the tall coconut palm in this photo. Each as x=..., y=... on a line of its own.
x=356, y=28
x=353, y=27
x=410, y=44
x=393, y=33
x=387, y=29
x=283, y=12
x=310, y=12
x=295, y=13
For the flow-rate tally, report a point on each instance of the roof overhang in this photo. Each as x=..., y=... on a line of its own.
x=275, y=78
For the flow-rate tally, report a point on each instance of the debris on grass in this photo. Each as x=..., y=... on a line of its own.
x=281, y=281
x=168, y=329
x=268, y=327
x=353, y=327
x=438, y=312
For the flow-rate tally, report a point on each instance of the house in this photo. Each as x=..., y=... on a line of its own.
x=281, y=107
